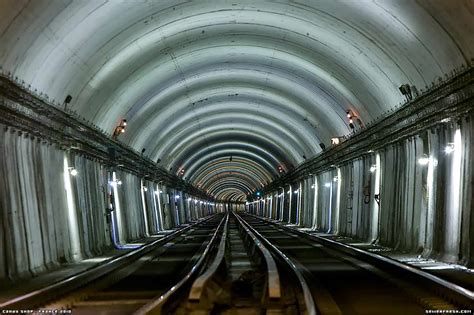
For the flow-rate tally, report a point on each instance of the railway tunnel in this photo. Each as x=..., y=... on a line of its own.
x=236, y=157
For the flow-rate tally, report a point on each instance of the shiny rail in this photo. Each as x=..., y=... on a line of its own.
x=156, y=306
x=308, y=298
x=69, y=284
x=460, y=296
x=274, y=285
x=197, y=289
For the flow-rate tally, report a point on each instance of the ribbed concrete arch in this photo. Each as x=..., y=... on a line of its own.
x=231, y=194
x=238, y=164
x=180, y=107
x=267, y=163
x=203, y=80
x=225, y=169
x=247, y=170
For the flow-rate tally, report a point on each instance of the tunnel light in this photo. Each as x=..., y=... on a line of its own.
x=176, y=197
x=335, y=179
x=424, y=160
x=327, y=185
x=296, y=191
x=72, y=171
x=449, y=148
x=145, y=189
x=373, y=168
x=312, y=186
x=116, y=182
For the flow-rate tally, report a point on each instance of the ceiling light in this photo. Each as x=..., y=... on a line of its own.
x=449, y=148
x=424, y=160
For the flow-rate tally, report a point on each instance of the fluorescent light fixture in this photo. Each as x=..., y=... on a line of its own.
x=424, y=160
x=449, y=148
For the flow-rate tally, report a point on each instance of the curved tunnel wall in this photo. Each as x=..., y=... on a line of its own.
x=414, y=196
x=279, y=75
x=50, y=217
x=245, y=87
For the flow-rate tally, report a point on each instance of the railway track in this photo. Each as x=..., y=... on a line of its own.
x=214, y=266
x=241, y=264
x=127, y=283
x=344, y=280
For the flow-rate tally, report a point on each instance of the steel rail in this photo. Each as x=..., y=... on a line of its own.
x=274, y=287
x=40, y=296
x=460, y=295
x=308, y=298
x=156, y=306
x=200, y=283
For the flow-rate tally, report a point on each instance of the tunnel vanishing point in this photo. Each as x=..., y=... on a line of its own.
x=127, y=126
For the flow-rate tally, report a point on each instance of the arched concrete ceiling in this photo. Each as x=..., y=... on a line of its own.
x=230, y=90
